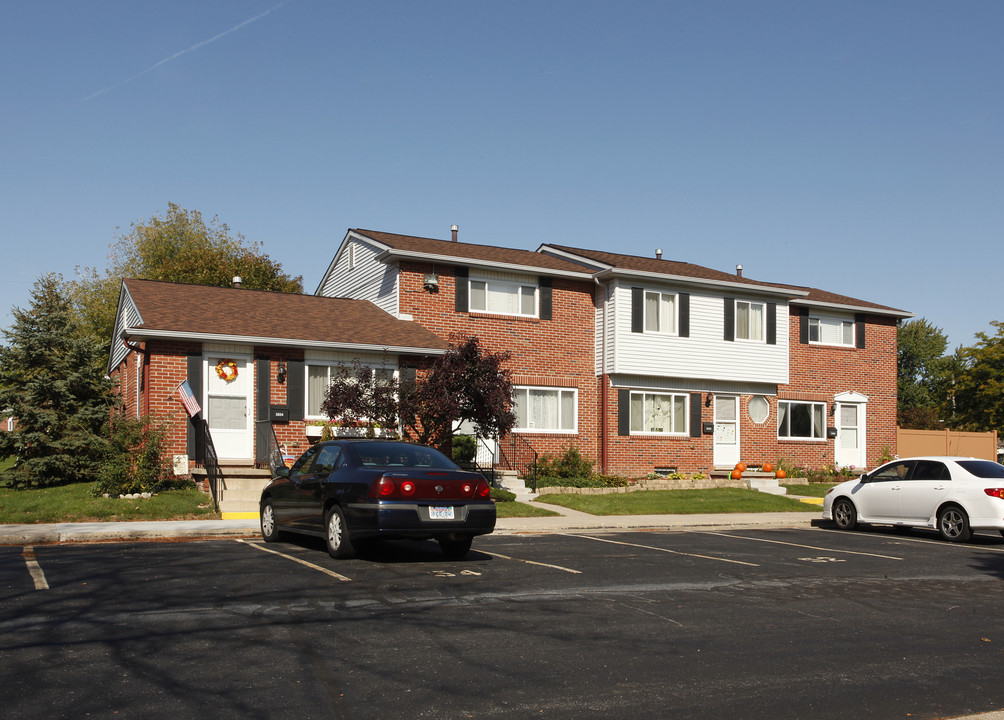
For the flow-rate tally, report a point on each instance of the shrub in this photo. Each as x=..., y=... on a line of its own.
x=502, y=495
x=590, y=481
x=465, y=447
x=135, y=461
x=570, y=464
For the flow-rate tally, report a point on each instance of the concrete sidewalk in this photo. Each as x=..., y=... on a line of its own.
x=567, y=521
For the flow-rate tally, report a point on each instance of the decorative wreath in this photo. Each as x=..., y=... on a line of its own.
x=227, y=370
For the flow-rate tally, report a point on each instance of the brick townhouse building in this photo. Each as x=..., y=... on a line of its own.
x=642, y=363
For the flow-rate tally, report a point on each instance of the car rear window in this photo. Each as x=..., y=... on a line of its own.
x=388, y=454
x=983, y=468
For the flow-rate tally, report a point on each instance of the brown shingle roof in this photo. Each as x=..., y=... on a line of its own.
x=200, y=310
x=698, y=272
x=467, y=251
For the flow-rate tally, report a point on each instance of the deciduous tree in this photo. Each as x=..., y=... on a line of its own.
x=979, y=387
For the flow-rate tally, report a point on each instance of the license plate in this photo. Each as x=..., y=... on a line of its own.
x=441, y=513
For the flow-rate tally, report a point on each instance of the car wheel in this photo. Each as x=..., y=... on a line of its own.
x=336, y=534
x=844, y=514
x=269, y=529
x=953, y=524
x=456, y=548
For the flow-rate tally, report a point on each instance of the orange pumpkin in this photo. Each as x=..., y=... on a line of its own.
x=781, y=474
x=767, y=467
x=737, y=474
x=741, y=467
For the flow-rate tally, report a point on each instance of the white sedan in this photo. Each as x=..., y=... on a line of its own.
x=954, y=495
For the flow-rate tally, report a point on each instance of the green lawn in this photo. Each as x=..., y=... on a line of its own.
x=810, y=490
x=74, y=503
x=679, y=502
x=519, y=509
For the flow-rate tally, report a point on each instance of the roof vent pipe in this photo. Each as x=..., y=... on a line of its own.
x=739, y=270
x=454, y=229
x=658, y=254
x=237, y=281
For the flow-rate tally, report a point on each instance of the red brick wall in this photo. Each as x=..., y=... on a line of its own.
x=552, y=353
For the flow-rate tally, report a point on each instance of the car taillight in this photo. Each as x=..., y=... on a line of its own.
x=995, y=492
x=385, y=487
x=407, y=488
x=483, y=491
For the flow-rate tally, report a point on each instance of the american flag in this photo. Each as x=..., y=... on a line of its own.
x=188, y=399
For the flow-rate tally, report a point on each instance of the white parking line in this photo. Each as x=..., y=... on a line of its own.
x=932, y=540
x=808, y=547
x=311, y=565
x=665, y=550
x=34, y=569
x=531, y=562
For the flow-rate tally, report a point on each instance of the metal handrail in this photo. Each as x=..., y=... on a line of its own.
x=518, y=454
x=212, y=465
x=271, y=453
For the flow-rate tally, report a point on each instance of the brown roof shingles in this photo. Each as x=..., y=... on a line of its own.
x=200, y=310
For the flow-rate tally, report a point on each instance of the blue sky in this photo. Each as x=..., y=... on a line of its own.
x=851, y=146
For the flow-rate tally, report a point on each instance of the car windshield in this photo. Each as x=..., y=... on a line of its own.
x=983, y=469
x=396, y=454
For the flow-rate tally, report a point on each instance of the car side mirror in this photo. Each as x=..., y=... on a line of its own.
x=282, y=472
x=866, y=477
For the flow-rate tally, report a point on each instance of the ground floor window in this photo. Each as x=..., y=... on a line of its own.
x=319, y=377
x=801, y=420
x=658, y=413
x=545, y=409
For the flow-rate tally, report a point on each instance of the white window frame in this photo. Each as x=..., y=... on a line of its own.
x=748, y=306
x=332, y=367
x=663, y=325
x=816, y=326
x=495, y=285
x=646, y=398
x=817, y=411
x=531, y=423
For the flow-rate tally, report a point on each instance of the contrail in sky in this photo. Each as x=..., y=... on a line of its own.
x=178, y=54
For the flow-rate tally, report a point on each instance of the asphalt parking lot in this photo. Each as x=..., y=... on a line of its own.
x=705, y=624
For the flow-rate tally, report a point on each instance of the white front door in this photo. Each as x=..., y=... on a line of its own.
x=850, y=445
x=228, y=401
x=726, y=430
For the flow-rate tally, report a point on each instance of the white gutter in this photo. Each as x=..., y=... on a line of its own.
x=474, y=262
x=690, y=280
x=857, y=308
x=144, y=334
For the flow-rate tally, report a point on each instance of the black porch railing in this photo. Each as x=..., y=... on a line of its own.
x=267, y=451
x=516, y=453
x=210, y=462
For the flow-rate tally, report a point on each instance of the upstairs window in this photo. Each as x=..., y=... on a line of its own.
x=503, y=297
x=750, y=324
x=660, y=312
x=831, y=331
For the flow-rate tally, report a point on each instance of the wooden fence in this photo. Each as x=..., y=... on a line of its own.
x=946, y=442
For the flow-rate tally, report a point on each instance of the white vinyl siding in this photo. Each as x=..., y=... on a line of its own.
x=705, y=355
x=662, y=413
x=831, y=331
x=357, y=274
x=545, y=409
x=801, y=420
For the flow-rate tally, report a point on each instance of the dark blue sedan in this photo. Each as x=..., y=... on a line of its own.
x=349, y=490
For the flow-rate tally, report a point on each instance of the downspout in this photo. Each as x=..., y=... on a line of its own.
x=604, y=380
x=142, y=396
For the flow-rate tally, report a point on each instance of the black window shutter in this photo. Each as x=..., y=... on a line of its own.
x=196, y=439
x=695, y=414
x=730, y=319
x=684, y=314
x=463, y=288
x=803, y=326
x=262, y=399
x=623, y=412
x=772, y=323
x=637, y=309
x=859, y=330
x=546, y=297
x=295, y=385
